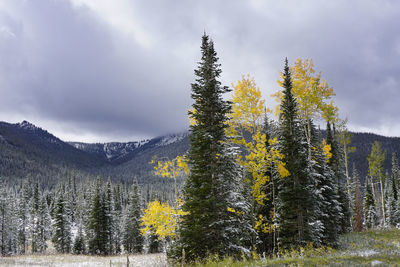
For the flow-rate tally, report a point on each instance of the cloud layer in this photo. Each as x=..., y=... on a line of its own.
x=121, y=70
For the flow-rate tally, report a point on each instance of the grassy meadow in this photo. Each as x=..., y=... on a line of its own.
x=372, y=248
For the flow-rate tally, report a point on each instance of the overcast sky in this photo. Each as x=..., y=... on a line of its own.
x=119, y=70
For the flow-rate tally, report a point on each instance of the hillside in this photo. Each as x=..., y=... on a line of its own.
x=27, y=150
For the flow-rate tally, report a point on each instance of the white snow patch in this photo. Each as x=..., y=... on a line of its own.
x=138, y=260
x=172, y=138
x=375, y=262
x=364, y=253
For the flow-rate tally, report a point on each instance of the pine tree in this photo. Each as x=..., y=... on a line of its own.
x=109, y=218
x=295, y=196
x=337, y=166
x=117, y=222
x=132, y=238
x=34, y=219
x=62, y=230
x=79, y=242
x=98, y=238
x=208, y=190
x=326, y=207
x=370, y=217
x=43, y=225
x=22, y=221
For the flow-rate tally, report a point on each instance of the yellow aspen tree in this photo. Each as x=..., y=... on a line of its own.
x=248, y=109
x=247, y=117
x=171, y=169
x=160, y=219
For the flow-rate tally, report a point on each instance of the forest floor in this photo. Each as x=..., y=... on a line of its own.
x=372, y=248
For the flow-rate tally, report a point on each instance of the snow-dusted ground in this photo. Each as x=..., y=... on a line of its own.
x=150, y=260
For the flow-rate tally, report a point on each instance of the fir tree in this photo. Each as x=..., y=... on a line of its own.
x=208, y=190
x=326, y=206
x=370, y=217
x=98, y=240
x=336, y=164
x=132, y=238
x=295, y=196
x=109, y=223
x=62, y=230
x=79, y=243
x=117, y=222
x=23, y=216
x=43, y=225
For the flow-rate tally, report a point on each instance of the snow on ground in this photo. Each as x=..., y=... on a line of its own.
x=138, y=260
x=363, y=253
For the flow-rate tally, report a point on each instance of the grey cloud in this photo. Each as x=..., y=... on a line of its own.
x=66, y=64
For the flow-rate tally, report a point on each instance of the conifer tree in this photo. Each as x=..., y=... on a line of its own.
x=370, y=217
x=109, y=223
x=132, y=238
x=295, y=197
x=98, y=238
x=326, y=207
x=24, y=196
x=117, y=222
x=34, y=218
x=208, y=190
x=79, y=242
x=43, y=225
x=337, y=166
x=62, y=230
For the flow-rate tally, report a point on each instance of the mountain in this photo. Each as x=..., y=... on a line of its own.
x=27, y=150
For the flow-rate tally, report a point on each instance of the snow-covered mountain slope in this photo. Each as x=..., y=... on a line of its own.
x=110, y=151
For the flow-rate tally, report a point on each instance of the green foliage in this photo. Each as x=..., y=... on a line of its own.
x=62, y=227
x=209, y=189
x=294, y=192
x=132, y=238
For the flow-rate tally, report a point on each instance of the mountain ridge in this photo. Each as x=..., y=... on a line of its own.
x=26, y=149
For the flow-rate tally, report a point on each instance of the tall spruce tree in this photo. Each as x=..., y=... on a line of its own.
x=208, y=191
x=109, y=222
x=295, y=196
x=336, y=163
x=98, y=235
x=326, y=209
x=61, y=225
x=370, y=217
x=132, y=238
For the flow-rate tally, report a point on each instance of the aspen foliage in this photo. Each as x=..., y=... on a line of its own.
x=248, y=111
x=171, y=168
x=312, y=92
x=326, y=150
x=161, y=219
x=259, y=160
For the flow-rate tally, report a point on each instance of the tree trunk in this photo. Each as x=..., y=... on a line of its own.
x=383, y=204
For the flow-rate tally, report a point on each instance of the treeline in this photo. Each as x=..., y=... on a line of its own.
x=85, y=217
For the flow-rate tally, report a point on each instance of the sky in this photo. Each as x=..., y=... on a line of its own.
x=120, y=70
